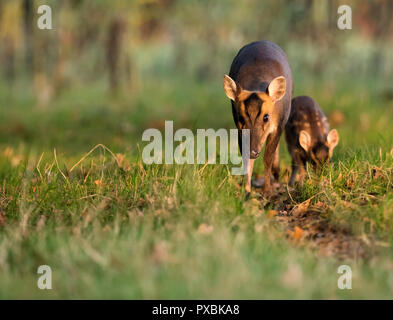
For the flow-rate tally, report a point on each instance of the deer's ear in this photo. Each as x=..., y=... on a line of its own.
x=230, y=87
x=332, y=139
x=277, y=88
x=305, y=140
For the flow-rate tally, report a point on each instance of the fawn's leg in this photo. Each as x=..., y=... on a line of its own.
x=297, y=165
x=302, y=174
x=295, y=169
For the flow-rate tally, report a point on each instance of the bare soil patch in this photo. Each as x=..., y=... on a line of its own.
x=308, y=224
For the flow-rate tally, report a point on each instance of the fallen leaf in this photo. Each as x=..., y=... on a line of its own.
x=272, y=213
x=297, y=234
x=301, y=208
x=99, y=182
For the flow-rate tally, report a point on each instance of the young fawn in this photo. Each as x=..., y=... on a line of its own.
x=260, y=87
x=308, y=137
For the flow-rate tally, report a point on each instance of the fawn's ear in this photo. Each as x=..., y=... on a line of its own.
x=305, y=140
x=230, y=87
x=332, y=139
x=277, y=88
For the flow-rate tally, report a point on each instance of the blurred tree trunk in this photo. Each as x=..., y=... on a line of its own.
x=63, y=45
x=382, y=15
x=320, y=11
x=1, y=10
x=113, y=51
x=373, y=19
x=180, y=49
x=9, y=60
x=28, y=16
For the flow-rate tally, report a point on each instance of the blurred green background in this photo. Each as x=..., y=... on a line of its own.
x=110, y=69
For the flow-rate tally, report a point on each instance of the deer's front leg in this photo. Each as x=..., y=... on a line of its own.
x=276, y=163
x=249, y=175
x=268, y=159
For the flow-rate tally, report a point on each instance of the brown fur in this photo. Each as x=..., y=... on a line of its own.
x=260, y=87
x=307, y=135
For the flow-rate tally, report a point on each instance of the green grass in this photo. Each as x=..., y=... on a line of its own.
x=124, y=229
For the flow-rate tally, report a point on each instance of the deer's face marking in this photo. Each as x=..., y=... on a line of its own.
x=255, y=110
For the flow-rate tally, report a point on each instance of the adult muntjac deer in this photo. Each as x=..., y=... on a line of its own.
x=260, y=87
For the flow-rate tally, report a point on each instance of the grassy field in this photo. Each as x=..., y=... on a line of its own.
x=110, y=226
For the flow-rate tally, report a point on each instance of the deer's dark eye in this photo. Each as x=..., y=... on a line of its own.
x=266, y=118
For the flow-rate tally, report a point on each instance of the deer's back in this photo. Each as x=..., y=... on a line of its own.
x=256, y=65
